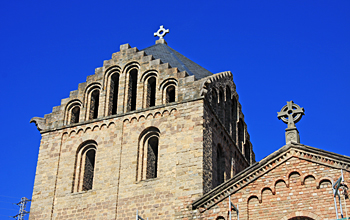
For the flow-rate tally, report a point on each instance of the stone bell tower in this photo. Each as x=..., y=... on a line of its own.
x=150, y=131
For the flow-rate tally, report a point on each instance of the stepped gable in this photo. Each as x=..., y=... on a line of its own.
x=169, y=65
x=267, y=165
x=168, y=55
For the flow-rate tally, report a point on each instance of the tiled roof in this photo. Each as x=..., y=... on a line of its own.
x=168, y=55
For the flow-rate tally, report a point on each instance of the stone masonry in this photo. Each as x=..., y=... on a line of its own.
x=140, y=103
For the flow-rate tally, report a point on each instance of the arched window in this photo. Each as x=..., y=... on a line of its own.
x=148, y=157
x=170, y=94
x=247, y=151
x=85, y=167
x=240, y=134
x=89, y=169
x=228, y=111
x=111, y=83
x=152, y=158
x=221, y=113
x=301, y=218
x=94, y=102
x=220, y=165
x=72, y=114
x=75, y=113
x=214, y=101
x=132, y=90
x=234, y=118
x=151, y=92
x=113, y=94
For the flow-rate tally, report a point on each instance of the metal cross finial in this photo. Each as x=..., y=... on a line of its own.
x=161, y=32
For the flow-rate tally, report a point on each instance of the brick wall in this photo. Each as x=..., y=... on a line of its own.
x=296, y=187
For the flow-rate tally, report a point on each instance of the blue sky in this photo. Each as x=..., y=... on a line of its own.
x=277, y=51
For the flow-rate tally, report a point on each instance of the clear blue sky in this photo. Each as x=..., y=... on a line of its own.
x=277, y=51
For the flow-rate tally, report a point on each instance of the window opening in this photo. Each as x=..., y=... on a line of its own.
x=89, y=170
x=221, y=107
x=75, y=114
x=214, y=101
x=247, y=152
x=170, y=94
x=132, y=91
x=228, y=112
x=234, y=118
x=152, y=158
x=220, y=161
x=113, y=96
x=95, y=95
x=151, y=92
x=240, y=134
x=84, y=167
x=148, y=154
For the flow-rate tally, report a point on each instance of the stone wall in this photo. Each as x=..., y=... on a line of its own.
x=188, y=130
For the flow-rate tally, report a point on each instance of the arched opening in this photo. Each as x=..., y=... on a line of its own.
x=301, y=218
x=85, y=167
x=151, y=92
x=221, y=107
x=75, y=115
x=113, y=94
x=152, y=158
x=214, y=101
x=148, y=157
x=170, y=94
x=234, y=118
x=247, y=152
x=132, y=90
x=220, y=165
x=89, y=169
x=240, y=134
x=94, y=102
x=228, y=111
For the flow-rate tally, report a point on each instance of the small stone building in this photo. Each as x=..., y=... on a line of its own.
x=151, y=131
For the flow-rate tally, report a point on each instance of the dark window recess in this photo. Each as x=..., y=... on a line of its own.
x=228, y=111
x=247, y=152
x=240, y=134
x=132, y=90
x=95, y=96
x=113, y=95
x=221, y=107
x=89, y=170
x=234, y=118
x=151, y=92
x=75, y=114
x=170, y=94
x=214, y=101
x=220, y=160
x=152, y=158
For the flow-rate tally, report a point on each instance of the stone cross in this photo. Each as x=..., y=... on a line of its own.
x=291, y=114
x=161, y=32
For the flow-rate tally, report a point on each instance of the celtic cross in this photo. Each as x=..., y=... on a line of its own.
x=161, y=32
x=291, y=114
